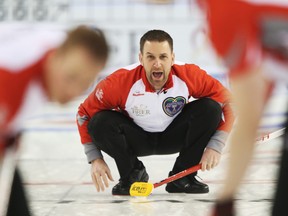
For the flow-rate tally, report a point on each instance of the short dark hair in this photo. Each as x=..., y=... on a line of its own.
x=156, y=35
x=91, y=39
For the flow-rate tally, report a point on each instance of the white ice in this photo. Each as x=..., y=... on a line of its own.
x=58, y=182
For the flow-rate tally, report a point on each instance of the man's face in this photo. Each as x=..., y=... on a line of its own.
x=71, y=72
x=157, y=59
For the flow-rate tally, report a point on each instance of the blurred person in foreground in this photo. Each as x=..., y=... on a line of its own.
x=252, y=38
x=38, y=65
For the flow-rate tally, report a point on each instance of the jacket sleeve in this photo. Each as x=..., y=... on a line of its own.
x=104, y=97
x=201, y=85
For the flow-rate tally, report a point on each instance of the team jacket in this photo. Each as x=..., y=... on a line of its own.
x=129, y=90
x=263, y=32
x=22, y=87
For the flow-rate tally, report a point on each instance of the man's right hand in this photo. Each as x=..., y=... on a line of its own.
x=100, y=174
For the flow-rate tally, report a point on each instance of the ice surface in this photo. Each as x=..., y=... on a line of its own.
x=58, y=182
x=57, y=179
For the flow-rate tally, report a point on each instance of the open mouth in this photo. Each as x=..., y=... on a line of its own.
x=157, y=75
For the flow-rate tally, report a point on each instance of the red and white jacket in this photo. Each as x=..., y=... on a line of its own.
x=22, y=87
x=128, y=90
x=263, y=40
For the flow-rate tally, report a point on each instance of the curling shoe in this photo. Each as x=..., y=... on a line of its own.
x=188, y=184
x=138, y=174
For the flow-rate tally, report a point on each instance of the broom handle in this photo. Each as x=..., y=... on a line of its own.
x=178, y=175
x=195, y=168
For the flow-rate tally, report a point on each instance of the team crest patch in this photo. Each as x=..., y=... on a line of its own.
x=172, y=106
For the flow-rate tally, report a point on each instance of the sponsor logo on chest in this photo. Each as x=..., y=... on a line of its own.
x=140, y=110
x=173, y=105
x=138, y=93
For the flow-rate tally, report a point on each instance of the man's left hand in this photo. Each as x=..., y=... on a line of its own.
x=210, y=159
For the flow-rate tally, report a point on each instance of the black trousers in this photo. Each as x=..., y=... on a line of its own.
x=188, y=134
x=280, y=200
x=18, y=204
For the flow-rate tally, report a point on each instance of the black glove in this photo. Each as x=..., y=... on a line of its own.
x=224, y=208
